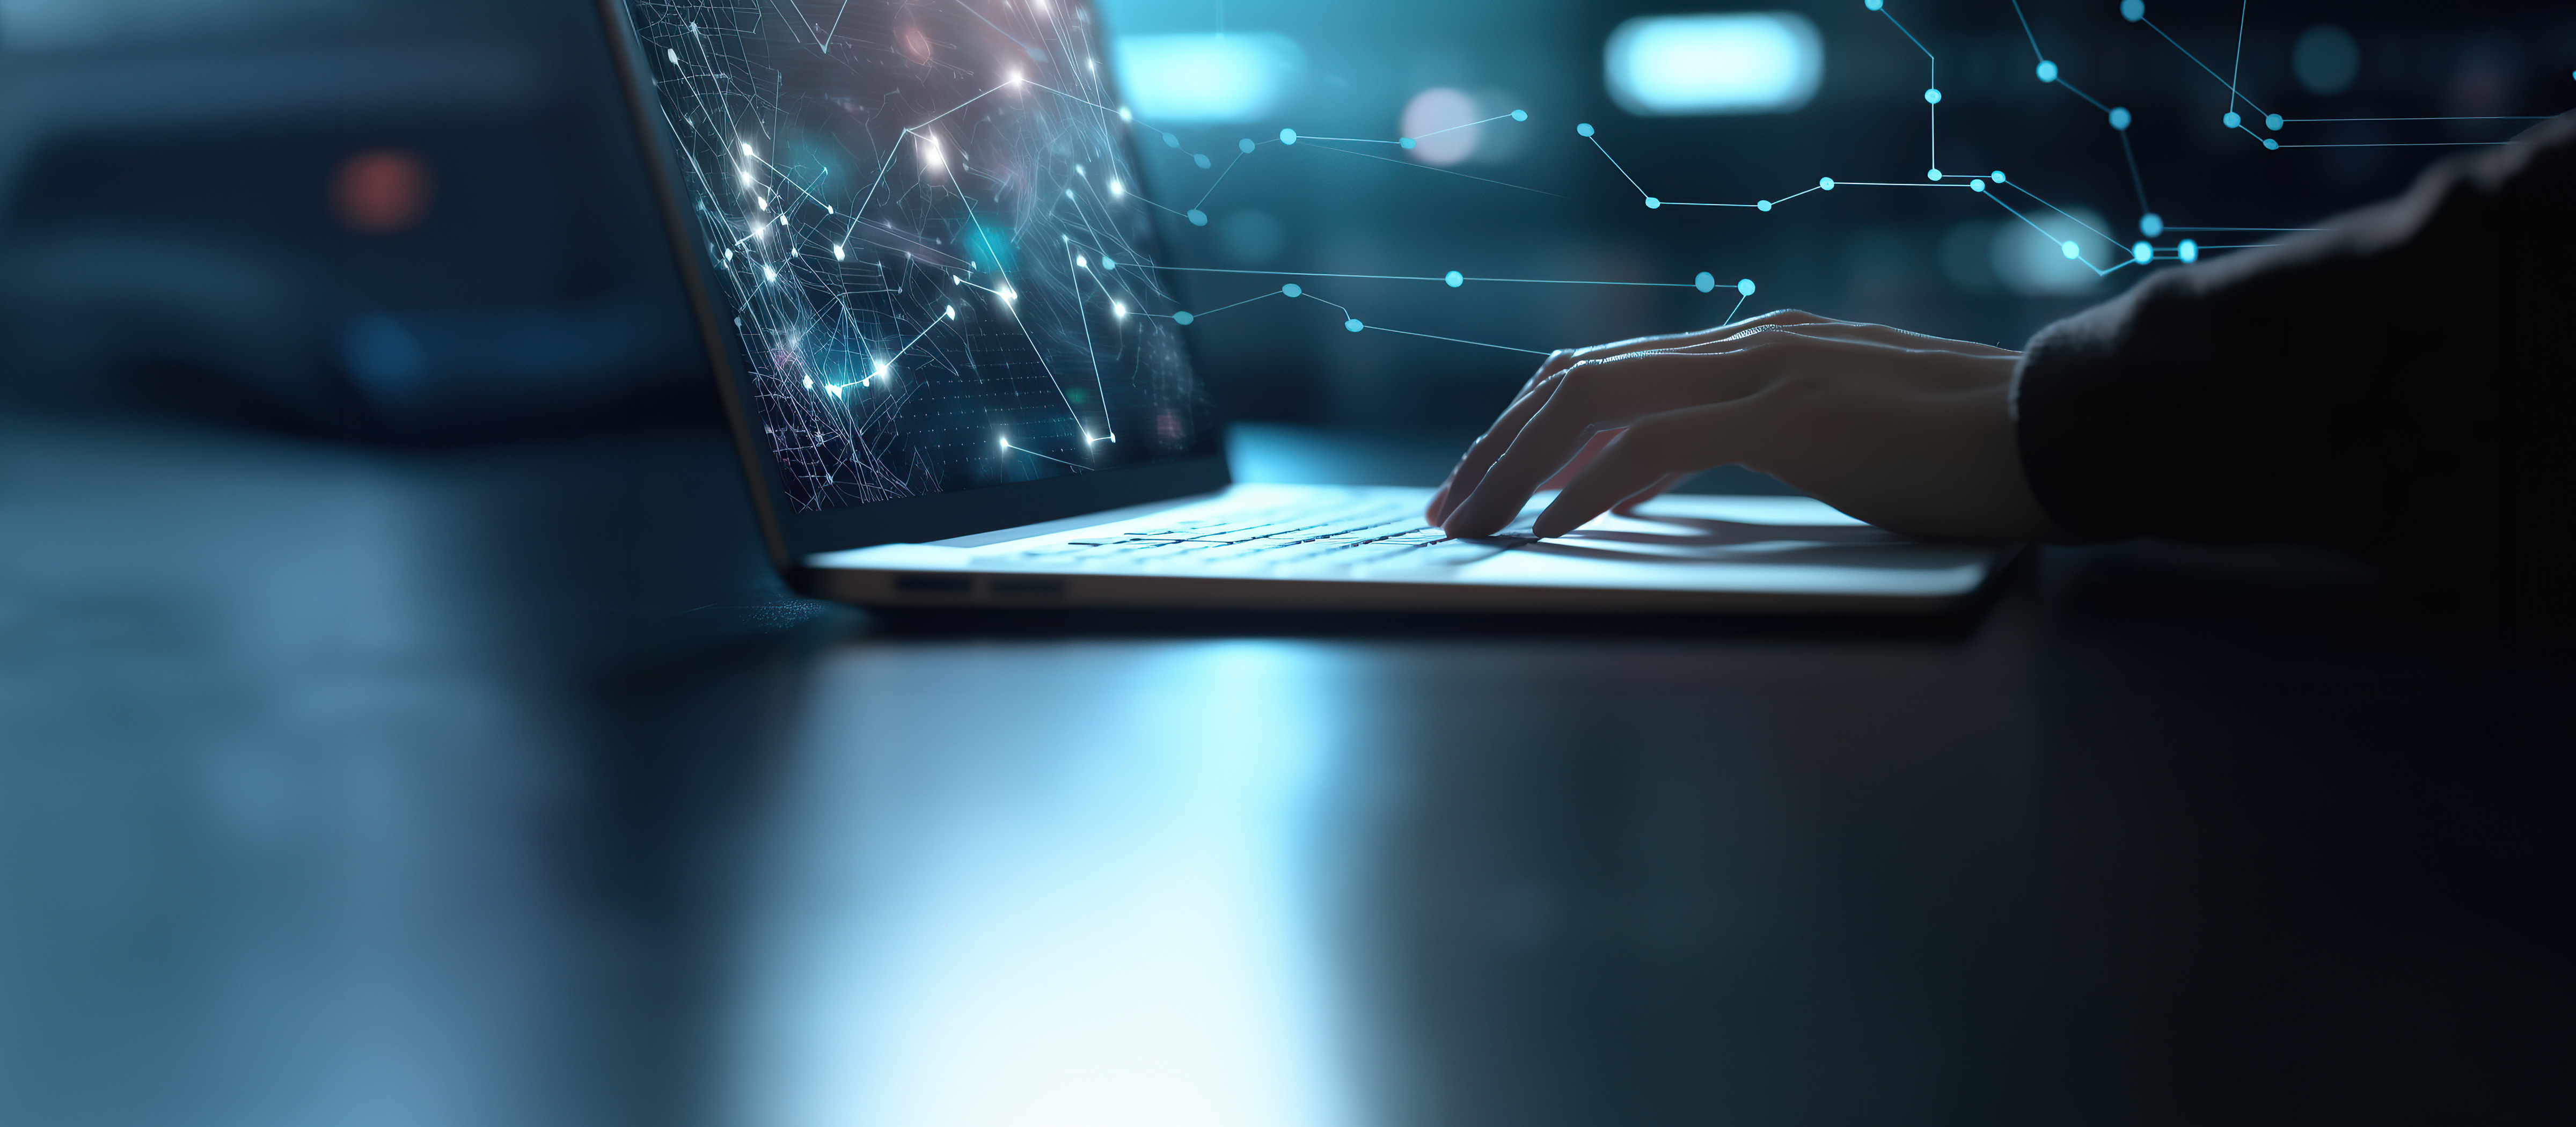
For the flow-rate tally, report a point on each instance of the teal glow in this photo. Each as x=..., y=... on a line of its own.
x=1732, y=63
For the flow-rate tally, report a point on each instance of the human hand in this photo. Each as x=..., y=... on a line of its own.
x=1908, y=432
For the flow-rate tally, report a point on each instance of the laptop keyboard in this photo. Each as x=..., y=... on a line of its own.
x=1371, y=535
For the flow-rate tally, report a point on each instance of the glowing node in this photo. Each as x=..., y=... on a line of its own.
x=809, y=382
x=746, y=148
x=1198, y=218
x=1520, y=115
x=1706, y=282
x=2189, y=251
x=769, y=272
x=1997, y=176
x=1287, y=136
x=2141, y=251
x=1117, y=187
x=1744, y=286
x=1353, y=325
x=1006, y=443
x=2047, y=71
x=746, y=177
x=674, y=56
x=1118, y=309
x=827, y=210
x=764, y=203
x=1171, y=142
x=1763, y=205
x=1086, y=437
x=952, y=312
x=1583, y=130
x=2230, y=119
x=728, y=255
x=1652, y=203
x=1108, y=263
x=2269, y=143
x=1292, y=289
x=2070, y=249
x=879, y=372
x=1009, y=294
x=836, y=389
x=1124, y=114
x=2272, y=122
x=1933, y=95
x=1013, y=80
x=1243, y=146
x=1976, y=185
x=1873, y=5
x=1068, y=193
x=1080, y=262
x=1825, y=182
x=1455, y=279
x=2120, y=117
x=1184, y=317
x=2151, y=224
x=2133, y=10
x=1404, y=142
x=1201, y=160
x=1933, y=175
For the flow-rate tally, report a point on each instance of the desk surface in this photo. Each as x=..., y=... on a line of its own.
x=505, y=786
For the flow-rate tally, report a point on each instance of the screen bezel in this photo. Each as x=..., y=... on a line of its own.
x=792, y=534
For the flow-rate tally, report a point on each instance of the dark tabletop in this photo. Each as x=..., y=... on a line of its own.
x=506, y=786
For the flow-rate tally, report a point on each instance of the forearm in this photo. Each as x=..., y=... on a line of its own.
x=2391, y=385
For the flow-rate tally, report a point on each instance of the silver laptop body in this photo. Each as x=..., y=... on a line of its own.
x=933, y=292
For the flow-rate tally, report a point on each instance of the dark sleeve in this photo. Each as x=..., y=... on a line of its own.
x=2396, y=385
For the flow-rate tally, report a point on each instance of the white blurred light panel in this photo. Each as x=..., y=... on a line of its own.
x=1731, y=62
x=1193, y=78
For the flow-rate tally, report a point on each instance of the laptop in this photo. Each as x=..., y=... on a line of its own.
x=926, y=265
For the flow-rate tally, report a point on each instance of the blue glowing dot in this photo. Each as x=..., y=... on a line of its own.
x=1652, y=203
x=1873, y=5
x=1292, y=289
x=1706, y=282
x=1171, y=142
x=2269, y=143
x=1244, y=145
x=1744, y=287
x=2047, y=71
x=1976, y=185
x=1825, y=182
x=2141, y=251
x=2230, y=119
x=2072, y=251
x=1932, y=95
x=1933, y=175
x=1287, y=136
x=1198, y=218
x=1997, y=176
x=1353, y=325
x=1455, y=279
x=1764, y=205
x=2151, y=224
x=1183, y=317
x=1200, y=159
x=2120, y=117
x=2133, y=10
x=1583, y=130
x=2272, y=122
x=1520, y=115
x=1404, y=142
x=2189, y=251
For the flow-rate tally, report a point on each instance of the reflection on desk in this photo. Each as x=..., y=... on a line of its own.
x=505, y=786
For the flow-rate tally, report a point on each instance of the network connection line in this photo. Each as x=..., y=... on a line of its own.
x=1931, y=88
x=2135, y=11
x=1006, y=445
x=1453, y=279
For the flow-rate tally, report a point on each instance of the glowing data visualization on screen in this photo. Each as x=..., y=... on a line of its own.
x=910, y=210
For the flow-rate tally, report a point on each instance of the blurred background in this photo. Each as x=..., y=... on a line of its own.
x=404, y=221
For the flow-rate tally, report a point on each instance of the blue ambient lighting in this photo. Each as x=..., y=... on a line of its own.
x=1193, y=78
x=1737, y=62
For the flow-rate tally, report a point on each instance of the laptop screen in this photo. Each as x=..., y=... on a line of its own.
x=923, y=222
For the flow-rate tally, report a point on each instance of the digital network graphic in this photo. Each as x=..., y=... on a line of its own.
x=930, y=230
